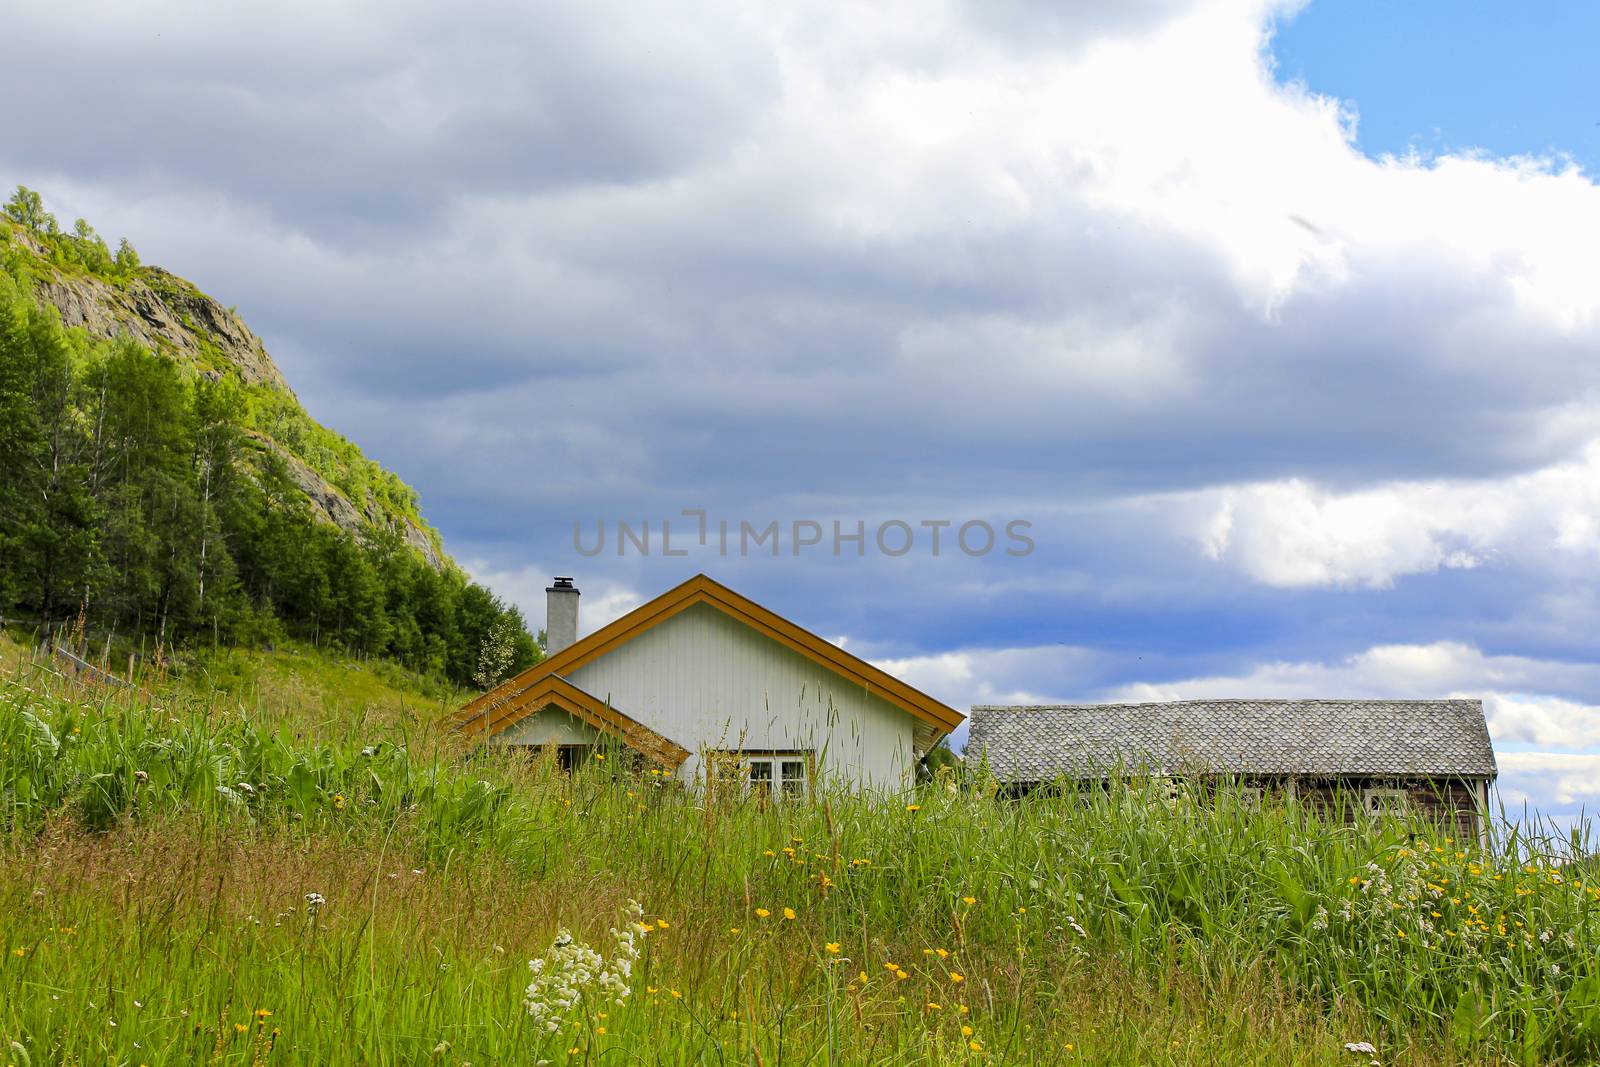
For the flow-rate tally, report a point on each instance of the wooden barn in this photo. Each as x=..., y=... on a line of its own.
x=1373, y=756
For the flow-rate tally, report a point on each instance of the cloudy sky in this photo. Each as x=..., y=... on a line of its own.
x=1279, y=326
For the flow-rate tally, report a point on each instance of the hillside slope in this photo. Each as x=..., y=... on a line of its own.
x=166, y=314
x=164, y=495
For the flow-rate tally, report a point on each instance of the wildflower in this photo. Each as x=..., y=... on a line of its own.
x=315, y=900
x=735, y=930
x=762, y=913
x=913, y=807
x=769, y=852
x=261, y=1013
x=931, y=1006
x=966, y=1031
x=832, y=948
x=859, y=862
x=943, y=954
x=569, y=970
x=974, y=1046
x=338, y=802
x=1366, y=1047
x=599, y=1029
x=957, y=977
x=969, y=901
x=600, y=757
x=788, y=913
x=662, y=924
x=675, y=993
x=651, y=989
x=239, y=1028
x=141, y=776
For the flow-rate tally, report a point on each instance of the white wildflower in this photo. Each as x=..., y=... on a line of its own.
x=315, y=900
x=564, y=974
x=1360, y=1046
x=1074, y=924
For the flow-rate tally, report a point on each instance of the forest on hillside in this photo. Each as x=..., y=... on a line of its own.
x=137, y=503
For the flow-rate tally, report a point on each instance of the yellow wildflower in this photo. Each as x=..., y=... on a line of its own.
x=762, y=913
x=957, y=977
x=832, y=948
x=913, y=807
x=969, y=901
x=974, y=1046
x=788, y=913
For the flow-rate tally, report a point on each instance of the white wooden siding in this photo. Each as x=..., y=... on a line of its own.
x=552, y=726
x=709, y=682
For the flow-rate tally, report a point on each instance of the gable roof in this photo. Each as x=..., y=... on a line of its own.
x=1333, y=738
x=518, y=697
x=555, y=691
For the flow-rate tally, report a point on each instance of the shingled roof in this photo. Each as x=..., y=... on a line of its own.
x=1314, y=738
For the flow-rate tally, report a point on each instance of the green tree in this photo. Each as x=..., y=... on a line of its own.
x=26, y=207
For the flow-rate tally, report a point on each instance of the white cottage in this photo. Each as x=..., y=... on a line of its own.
x=713, y=687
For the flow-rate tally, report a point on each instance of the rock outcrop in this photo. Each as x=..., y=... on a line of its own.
x=167, y=314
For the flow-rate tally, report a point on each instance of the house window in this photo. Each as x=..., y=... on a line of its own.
x=765, y=775
x=1385, y=801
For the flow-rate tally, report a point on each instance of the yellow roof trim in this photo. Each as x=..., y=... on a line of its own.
x=510, y=700
x=554, y=691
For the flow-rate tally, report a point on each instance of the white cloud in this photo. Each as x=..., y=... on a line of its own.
x=601, y=601
x=1549, y=782
x=1292, y=533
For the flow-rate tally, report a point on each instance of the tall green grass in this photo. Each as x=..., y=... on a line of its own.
x=157, y=862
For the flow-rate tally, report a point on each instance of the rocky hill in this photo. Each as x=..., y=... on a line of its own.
x=75, y=274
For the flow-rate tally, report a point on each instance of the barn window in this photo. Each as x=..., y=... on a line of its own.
x=1385, y=801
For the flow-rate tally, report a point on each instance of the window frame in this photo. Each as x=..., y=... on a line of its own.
x=719, y=762
x=1372, y=794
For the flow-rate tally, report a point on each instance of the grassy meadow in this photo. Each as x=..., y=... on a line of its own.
x=294, y=866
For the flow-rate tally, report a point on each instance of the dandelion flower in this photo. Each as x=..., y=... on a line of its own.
x=788, y=913
x=974, y=1046
x=913, y=807
x=966, y=1031
x=762, y=913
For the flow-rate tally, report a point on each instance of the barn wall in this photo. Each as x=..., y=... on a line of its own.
x=709, y=682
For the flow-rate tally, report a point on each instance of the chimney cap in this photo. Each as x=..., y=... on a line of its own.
x=562, y=584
